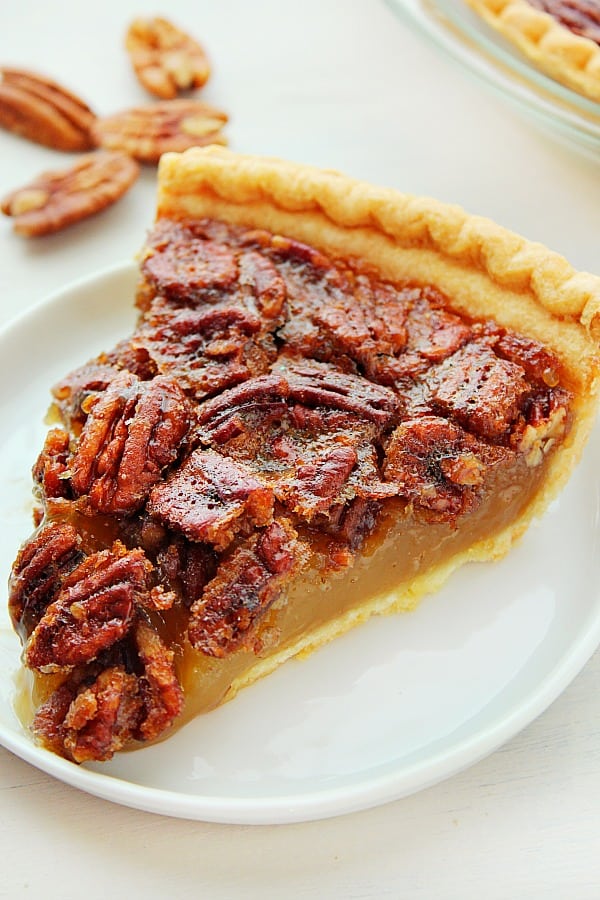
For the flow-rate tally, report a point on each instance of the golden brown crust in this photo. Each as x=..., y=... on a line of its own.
x=569, y=58
x=487, y=271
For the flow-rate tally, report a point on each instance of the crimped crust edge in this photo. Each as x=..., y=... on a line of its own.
x=568, y=57
x=199, y=177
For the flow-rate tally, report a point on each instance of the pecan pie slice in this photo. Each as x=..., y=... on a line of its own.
x=561, y=37
x=334, y=396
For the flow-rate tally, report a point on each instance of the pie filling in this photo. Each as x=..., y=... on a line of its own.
x=286, y=440
x=582, y=17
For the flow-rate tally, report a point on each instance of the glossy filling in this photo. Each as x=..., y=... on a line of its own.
x=286, y=438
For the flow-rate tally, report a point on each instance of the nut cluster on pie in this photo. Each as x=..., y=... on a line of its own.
x=334, y=395
x=561, y=37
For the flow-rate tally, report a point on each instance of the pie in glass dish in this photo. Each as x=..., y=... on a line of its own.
x=334, y=396
x=560, y=37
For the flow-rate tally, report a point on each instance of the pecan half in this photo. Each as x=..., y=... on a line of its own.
x=211, y=498
x=439, y=466
x=247, y=583
x=481, y=391
x=38, y=572
x=166, y=60
x=134, y=431
x=130, y=693
x=146, y=132
x=43, y=111
x=159, y=685
x=55, y=200
x=88, y=718
x=93, y=610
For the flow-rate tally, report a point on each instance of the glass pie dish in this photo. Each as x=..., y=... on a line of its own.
x=460, y=34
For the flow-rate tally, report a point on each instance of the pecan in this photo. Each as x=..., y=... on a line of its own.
x=212, y=498
x=352, y=523
x=89, y=718
x=205, y=350
x=75, y=394
x=545, y=420
x=38, y=573
x=540, y=365
x=57, y=199
x=165, y=59
x=186, y=567
x=439, y=466
x=93, y=610
x=130, y=693
x=481, y=391
x=133, y=431
x=51, y=467
x=581, y=17
x=146, y=132
x=308, y=383
x=187, y=267
x=43, y=111
x=245, y=586
x=159, y=686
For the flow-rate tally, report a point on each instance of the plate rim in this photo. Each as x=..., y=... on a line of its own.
x=553, y=105
x=324, y=802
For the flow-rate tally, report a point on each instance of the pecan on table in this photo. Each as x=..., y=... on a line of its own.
x=43, y=111
x=57, y=199
x=146, y=132
x=166, y=60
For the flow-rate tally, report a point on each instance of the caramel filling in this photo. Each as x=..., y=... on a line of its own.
x=285, y=445
x=403, y=548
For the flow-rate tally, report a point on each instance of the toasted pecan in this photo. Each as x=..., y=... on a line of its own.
x=57, y=199
x=146, y=132
x=43, y=111
x=166, y=60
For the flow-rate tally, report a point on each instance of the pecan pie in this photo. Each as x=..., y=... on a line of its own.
x=334, y=396
x=561, y=37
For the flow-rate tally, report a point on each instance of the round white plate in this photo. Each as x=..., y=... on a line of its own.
x=394, y=706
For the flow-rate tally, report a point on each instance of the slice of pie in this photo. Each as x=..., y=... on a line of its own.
x=561, y=37
x=335, y=395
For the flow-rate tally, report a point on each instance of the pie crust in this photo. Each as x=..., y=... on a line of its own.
x=488, y=275
x=567, y=57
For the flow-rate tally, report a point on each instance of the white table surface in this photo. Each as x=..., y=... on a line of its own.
x=344, y=85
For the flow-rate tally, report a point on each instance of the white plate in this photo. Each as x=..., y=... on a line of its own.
x=465, y=38
x=390, y=708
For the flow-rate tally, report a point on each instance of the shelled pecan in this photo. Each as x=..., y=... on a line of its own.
x=43, y=111
x=166, y=60
x=54, y=200
x=146, y=132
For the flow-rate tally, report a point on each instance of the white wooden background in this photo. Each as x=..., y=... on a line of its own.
x=343, y=85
